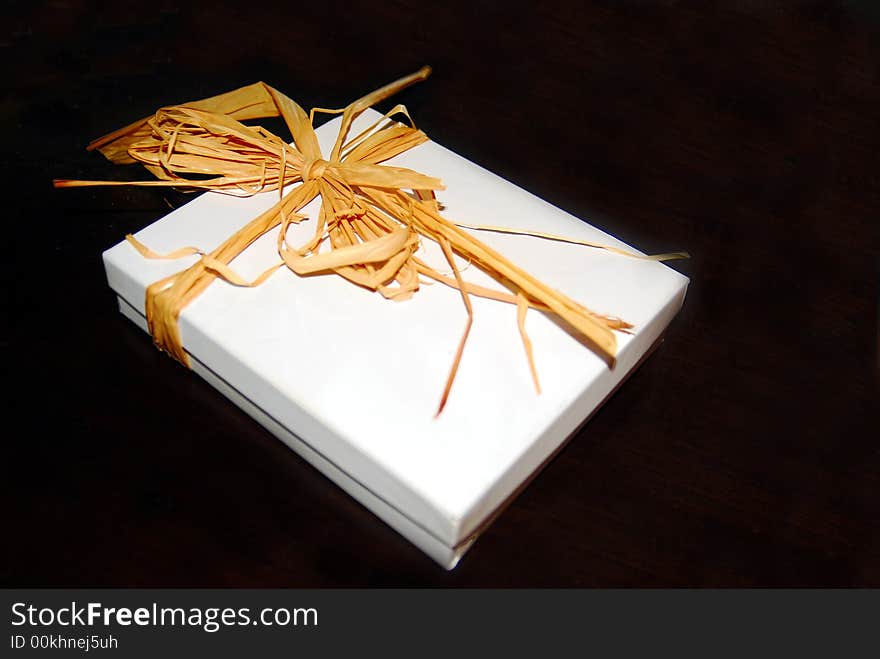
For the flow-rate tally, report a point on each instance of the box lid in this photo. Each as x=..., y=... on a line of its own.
x=358, y=378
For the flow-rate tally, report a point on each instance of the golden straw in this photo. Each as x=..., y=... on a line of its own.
x=372, y=223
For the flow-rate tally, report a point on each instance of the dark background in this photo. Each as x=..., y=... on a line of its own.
x=743, y=453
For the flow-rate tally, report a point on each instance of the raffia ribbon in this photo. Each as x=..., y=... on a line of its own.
x=370, y=222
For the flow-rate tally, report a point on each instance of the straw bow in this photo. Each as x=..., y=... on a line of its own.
x=370, y=221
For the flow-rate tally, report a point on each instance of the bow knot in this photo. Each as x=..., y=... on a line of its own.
x=313, y=169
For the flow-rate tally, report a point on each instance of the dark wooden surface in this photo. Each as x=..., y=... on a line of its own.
x=743, y=453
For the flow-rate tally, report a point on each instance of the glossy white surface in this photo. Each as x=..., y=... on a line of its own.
x=358, y=378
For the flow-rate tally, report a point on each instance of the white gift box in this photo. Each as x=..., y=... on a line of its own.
x=351, y=381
